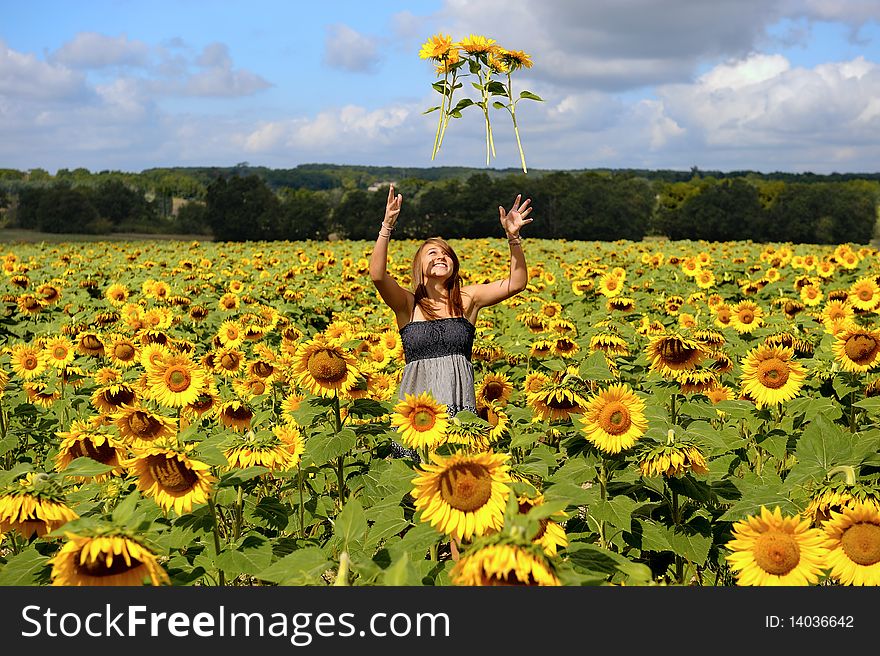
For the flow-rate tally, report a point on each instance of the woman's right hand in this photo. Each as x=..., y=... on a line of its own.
x=392, y=208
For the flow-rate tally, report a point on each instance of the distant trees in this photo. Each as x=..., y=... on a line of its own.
x=244, y=203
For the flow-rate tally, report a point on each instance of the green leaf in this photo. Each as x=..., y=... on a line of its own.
x=871, y=404
x=86, y=467
x=595, y=367
x=251, y=556
x=822, y=446
x=8, y=443
x=350, y=526
x=497, y=89
x=389, y=523
x=238, y=476
x=499, y=105
x=320, y=450
x=401, y=572
x=617, y=512
x=302, y=567
x=574, y=470
x=530, y=96
x=573, y=495
x=416, y=541
x=27, y=568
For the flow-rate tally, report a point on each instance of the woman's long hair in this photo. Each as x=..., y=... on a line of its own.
x=452, y=284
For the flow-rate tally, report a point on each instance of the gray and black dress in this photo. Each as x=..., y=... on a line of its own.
x=438, y=360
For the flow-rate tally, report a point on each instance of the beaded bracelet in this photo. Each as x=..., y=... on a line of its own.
x=514, y=241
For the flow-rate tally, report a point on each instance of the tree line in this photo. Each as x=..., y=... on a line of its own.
x=245, y=204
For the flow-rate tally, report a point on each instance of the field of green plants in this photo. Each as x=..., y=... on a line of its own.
x=649, y=413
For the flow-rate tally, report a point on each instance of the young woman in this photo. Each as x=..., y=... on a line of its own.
x=436, y=320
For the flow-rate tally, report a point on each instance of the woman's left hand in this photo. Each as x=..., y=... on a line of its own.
x=516, y=217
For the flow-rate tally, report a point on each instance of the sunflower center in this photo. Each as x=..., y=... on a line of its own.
x=144, y=425
x=423, y=419
x=861, y=543
x=86, y=448
x=325, y=366
x=674, y=352
x=241, y=413
x=177, y=379
x=861, y=348
x=865, y=294
x=171, y=474
x=263, y=369
x=229, y=361
x=466, y=487
x=561, y=403
x=98, y=567
x=91, y=342
x=773, y=373
x=777, y=553
x=615, y=418
x=493, y=391
x=746, y=316
x=59, y=352
x=124, y=352
x=29, y=362
x=119, y=397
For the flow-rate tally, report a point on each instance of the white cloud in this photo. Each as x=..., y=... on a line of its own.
x=92, y=50
x=25, y=78
x=349, y=50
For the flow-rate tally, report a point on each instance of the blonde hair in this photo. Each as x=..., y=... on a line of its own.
x=452, y=284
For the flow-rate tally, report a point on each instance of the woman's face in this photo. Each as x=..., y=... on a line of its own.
x=436, y=262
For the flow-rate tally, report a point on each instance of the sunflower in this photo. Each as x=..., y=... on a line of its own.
x=439, y=47
x=672, y=353
x=205, y=404
x=171, y=478
x=176, y=382
x=39, y=393
x=723, y=315
x=230, y=334
x=610, y=344
x=463, y=495
x=117, y=294
x=770, y=376
x=142, y=426
x=292, y=438
x=494, y=387
x=267, y=450
x=90, y=344
x=542, y=348
x=614, y=419
x=852, y=538
x=719, y=393
x=705, y=279
x=236, y=415
x=228, y=362
x=33, y=506
x=610, y=285
x=325, y=369
x=856, y=348
x=122, y=351
x=86, y=441
x=29, y=304
x=774, y=550
x=746, y=317
x=550, y=536
x=673, y=459
x=27, y=361
x=105, y=560
x=421, y=421
x=837, y=495
x=502, y=565
x=110, y=398
x=697, y=381
x=248, y=388
x=494, y=415
x=59, y=352
x=811, y=295
x=836, y=313
x=556, y=401
x=864, y=294
x=476, y=44
x=534, y=382
x=153, y=356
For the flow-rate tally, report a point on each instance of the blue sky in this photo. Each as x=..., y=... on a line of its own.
x=765, y=85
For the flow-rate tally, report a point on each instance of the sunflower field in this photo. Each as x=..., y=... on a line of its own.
x=649, y=413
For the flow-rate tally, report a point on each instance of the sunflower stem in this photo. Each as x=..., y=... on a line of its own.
x=676, y=520
x=512, y=109
x=340, y=461
x=440, y=126
x=603, y=481
x=302, y=523
x=216, y=531
x=239, y=514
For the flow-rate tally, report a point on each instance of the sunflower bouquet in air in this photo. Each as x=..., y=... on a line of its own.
x=492, y=66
